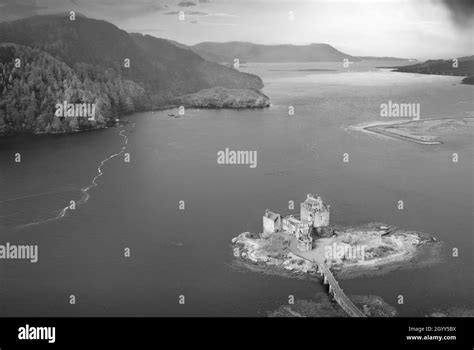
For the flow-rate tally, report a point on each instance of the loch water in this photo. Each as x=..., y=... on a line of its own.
x=188, y=252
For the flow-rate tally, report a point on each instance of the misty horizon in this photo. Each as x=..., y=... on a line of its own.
x=403, y=29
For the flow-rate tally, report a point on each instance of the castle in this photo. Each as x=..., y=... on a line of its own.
x=314, y=214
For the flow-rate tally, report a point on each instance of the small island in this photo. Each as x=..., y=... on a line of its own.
x=307, y=245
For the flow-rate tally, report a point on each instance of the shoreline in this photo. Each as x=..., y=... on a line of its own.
x=406, y=249
x=321, y=306
x=421, y=68
x=377, y=130
x=380, y=128
x=112, y=124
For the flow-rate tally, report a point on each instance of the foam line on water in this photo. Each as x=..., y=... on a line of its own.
x=35, y=195
x=85, y=190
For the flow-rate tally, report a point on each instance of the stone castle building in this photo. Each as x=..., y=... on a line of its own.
x=315, y=211
x=314, y=215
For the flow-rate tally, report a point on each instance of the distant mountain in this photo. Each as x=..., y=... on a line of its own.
x=180, y=45
x=248, y=52
x=383, y=58
x=162, y=68
x=190, y=72
x=84, y=61
x=465, y=67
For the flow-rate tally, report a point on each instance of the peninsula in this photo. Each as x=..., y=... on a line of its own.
x=462, y=66
x=44, y=60
x=424, y=132
x=220, y=97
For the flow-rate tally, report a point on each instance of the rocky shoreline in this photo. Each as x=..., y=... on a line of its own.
x=219, y=97
x=456, y=311
x=273, y=252
x=433, y=131
x=214, y=98
x=385, y=250
x=321, y=306
x=464, y=68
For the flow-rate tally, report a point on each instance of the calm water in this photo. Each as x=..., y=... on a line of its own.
x=173, y=252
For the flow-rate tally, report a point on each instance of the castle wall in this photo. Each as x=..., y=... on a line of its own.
x=268, y=226
x=305, y=213
x=291, y=225
x=321, y=219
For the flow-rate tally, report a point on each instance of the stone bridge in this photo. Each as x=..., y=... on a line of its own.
x=328, y=277
x=341, y=298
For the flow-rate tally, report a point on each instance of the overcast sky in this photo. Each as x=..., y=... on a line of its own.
x=403, y=28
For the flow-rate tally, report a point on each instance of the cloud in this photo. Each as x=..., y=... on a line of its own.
x=221, y=14
x=186, y=3
x=188, y=13
x=14, y=9
x=136, y=7
x=109, y=9
x=219, y=24
x=198, y=13
x=104, y=9
x=461, y=11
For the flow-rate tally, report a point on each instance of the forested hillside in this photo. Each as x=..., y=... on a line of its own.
x=32, y=82
x=93, y=61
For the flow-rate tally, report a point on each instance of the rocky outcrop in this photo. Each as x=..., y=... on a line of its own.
x=468, y=80
x=321, y=306
x=272, y=252
x=220, y=97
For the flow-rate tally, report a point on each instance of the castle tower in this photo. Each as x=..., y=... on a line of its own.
x=315, y=211
x=271, y=223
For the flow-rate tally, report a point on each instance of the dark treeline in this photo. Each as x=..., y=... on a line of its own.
x=32, y=83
